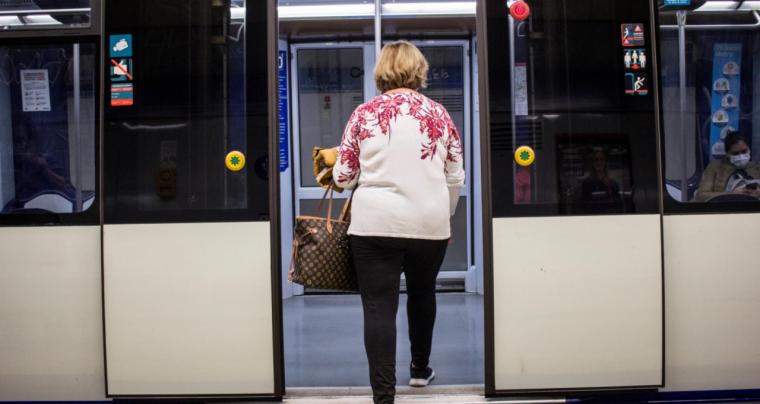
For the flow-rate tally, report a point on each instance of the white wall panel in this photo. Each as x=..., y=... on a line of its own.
x=577, y=302
x=188, y=309
x=712, y=302
x=51, y=345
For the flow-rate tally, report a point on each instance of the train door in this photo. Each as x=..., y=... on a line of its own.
x=191, y=289
x=574, y=289
x=710, y=70
x=330, y=67
x=50, y=344
x=332, y=76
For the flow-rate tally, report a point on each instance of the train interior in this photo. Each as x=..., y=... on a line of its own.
x=163, y=156
x=328, y=69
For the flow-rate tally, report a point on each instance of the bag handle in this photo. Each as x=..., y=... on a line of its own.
x=345, y=213
x=329, y=191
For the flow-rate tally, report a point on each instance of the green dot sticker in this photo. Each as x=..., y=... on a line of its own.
x=525, y=156
x=235, y=161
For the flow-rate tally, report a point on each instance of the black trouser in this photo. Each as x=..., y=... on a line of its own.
x=379, y=262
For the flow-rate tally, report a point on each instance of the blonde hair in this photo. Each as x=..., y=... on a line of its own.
x=401, y=64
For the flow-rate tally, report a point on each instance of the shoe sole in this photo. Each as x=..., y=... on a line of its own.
x=421, y=382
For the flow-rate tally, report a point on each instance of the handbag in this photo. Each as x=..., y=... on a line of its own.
x=321, y=251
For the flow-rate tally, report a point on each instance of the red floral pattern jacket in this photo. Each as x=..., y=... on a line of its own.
x=404, y=152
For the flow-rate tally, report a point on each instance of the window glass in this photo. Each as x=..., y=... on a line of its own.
x=330, y=87
x=36, y=14
x=573, y=101
x=47, y=128
x=167, y=139
x=720, y=94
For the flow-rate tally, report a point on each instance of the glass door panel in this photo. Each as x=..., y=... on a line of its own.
x=586, y=115
x=185, y=111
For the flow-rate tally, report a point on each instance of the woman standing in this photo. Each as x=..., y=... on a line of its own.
x=405, y=154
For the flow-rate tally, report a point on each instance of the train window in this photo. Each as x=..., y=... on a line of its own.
x=333, y=80
x=48, y=98
x=37, y=14
x=573, y=130
x=711, y=130
x=176, y=107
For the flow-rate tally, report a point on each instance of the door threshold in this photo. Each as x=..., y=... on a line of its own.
x=451, y=394
x=317, y=392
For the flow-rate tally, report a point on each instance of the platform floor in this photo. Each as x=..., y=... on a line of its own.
x=324, y=345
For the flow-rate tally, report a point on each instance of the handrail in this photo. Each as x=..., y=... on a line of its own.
x=46, y=12
x=718, y=26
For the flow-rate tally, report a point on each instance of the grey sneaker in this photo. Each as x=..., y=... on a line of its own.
x=421, y=377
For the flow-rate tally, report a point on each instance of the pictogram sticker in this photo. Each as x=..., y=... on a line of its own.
x=632, y=34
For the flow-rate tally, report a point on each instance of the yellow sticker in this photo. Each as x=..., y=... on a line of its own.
x=525, y=156
x=235, y=161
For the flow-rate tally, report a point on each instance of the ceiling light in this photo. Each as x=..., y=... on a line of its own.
x=429, y=8
x=326, y=11
x=718, y=6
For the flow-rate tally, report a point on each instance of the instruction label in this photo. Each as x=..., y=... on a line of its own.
x=35, y=90
x=122, y=95
x=521, y=89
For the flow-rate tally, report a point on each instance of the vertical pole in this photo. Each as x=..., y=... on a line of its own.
x=77, y=138
x=378, y=28
x=681, y=16
x=512, y=91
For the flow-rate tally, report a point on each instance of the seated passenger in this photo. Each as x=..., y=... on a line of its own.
x=734, y=173
x=598, y=186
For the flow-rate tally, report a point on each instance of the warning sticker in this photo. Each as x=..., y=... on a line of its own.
x=636, y=83
x=635, y=59
x=632, y=34
x=122, y=95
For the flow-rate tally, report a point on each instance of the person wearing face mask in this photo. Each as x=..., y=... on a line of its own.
x=734, y=173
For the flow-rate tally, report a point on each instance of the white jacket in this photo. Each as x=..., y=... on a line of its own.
x=405, y=153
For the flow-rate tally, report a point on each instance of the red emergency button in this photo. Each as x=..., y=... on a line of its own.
x=519, y=10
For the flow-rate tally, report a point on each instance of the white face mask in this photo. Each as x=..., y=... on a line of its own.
x=740, y=160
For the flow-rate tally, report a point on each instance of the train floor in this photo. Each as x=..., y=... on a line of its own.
x=324, y=345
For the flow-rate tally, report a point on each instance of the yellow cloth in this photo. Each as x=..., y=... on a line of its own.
x=324, y=160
